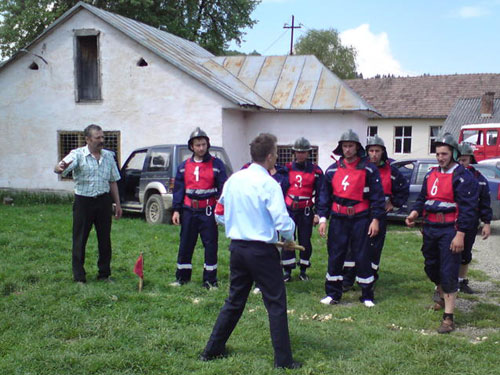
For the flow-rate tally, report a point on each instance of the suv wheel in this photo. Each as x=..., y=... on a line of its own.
x=155, y=210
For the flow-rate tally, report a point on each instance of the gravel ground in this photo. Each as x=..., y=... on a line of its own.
x=486, y=253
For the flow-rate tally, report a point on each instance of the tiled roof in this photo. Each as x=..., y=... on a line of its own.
x=466, y=111
x=424, y=96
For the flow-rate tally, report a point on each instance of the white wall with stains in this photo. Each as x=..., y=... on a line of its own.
x=148, y=105
x=321, y=129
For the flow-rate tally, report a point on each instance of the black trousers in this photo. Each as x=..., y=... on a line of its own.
x=253, y=261
x=87, y=212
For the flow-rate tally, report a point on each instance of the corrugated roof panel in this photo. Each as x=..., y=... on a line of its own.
x=233, y=64
x=347, y=101
x=327, y=91
x=250, y=70
x=308, y=83
x=227, y=78
x=268, y=77
x=467, y=111
x=287, y=83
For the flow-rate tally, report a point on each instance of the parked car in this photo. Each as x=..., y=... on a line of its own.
x=415, y=170
x=147, y=179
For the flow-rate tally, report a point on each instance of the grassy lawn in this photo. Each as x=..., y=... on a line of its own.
x=50, y=325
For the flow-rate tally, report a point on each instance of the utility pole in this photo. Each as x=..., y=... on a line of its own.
x=292, y=27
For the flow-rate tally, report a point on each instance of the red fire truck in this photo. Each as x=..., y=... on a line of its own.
x=485, y=139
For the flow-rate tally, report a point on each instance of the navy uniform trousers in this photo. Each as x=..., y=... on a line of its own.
x=441, y=264
x=254, y=261
x=377, y=245
x=194, y=222
x=342, y=232
x=88, y=211
x=470, y=238
x=304, y=225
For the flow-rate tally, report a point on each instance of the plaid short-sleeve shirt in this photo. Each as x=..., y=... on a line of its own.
x=92, y=177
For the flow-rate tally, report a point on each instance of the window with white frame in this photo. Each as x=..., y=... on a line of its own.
x=433, y=133
x=402, y=139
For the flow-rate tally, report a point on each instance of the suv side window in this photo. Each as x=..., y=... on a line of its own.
x=135, y=162
x=159, y=160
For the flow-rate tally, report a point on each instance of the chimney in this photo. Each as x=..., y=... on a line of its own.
x=487, y=104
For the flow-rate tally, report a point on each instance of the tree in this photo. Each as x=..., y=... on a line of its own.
x=210, y=23
x=327, y=47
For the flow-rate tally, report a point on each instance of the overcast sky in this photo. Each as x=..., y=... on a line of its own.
x=391, y=37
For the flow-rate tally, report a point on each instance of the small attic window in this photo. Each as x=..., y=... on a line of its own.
x=33, y=66
x=142, y=62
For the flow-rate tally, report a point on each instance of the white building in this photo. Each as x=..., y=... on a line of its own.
x=145, y=86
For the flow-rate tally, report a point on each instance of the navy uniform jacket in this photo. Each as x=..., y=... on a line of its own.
x=307, y=167
x=485, y=212
x=400, y=188
x=220, y=178
x=466, y=194
x=373, y=190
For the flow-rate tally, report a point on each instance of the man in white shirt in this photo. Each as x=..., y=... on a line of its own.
x=253, y=209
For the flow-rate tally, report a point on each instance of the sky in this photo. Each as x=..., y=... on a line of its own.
x=402, y=38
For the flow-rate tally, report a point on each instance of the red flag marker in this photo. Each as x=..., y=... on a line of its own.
x=139, y=270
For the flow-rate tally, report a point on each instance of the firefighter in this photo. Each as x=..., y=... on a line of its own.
x=279, y=174
x=353, y=198
x=304, y=183
x=483, y=212
x=448, y=203
x=198, y=184
x=396, y=191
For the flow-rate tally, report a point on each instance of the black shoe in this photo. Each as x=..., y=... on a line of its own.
x=80, y=281
x=303, y=276
x=208, y=285
x=205, y=357
x=287, y=276
x=292, y=366
x=463, y=286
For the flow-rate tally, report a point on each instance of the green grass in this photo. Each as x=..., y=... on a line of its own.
x=50, y=325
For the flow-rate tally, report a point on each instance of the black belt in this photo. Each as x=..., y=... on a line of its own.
x=94, y=197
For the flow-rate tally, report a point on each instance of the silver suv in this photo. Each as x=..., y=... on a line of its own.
x=147, y=179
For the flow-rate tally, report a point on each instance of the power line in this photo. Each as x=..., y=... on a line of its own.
x=273, y=43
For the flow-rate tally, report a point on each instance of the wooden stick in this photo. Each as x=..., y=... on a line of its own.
x=141, y=283
x=295, y=247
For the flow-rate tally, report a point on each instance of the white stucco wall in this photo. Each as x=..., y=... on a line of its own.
x=321, y=129
x=150, y=105
x=420, y=143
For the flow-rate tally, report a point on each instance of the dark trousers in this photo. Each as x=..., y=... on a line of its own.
x=87, y=212
x=470, y=238
x=441, y=264
x=196, y=222
x=342, y=232
x=304, y=225
x=377, y=245
x=253, y=261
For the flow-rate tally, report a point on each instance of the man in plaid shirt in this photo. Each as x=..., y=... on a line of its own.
x=95, y=174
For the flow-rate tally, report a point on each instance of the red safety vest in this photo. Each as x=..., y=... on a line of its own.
x=385, y=176
x=440, y=186
x=199, y=176
x=301, y=185
x=349, y=182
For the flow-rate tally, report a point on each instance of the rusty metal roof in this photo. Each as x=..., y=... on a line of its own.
x=268, y=82
x=294, y=83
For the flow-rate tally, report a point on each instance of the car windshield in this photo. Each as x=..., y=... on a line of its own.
x=422, y=170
